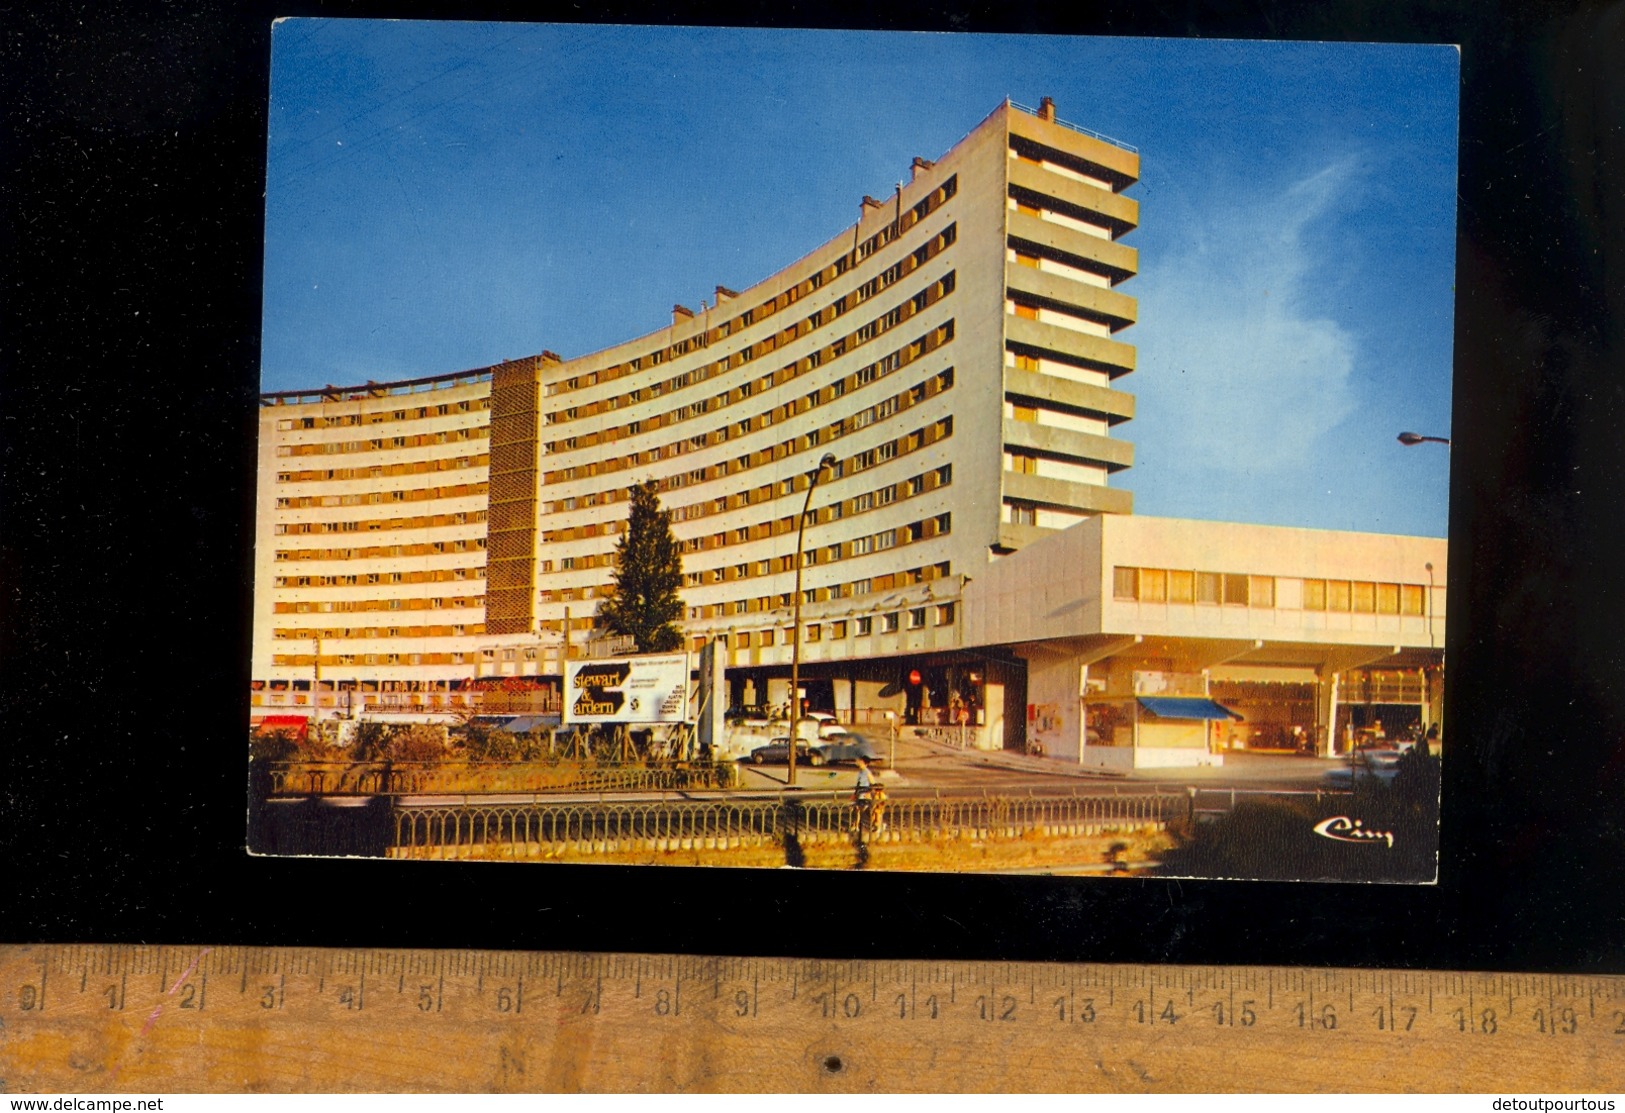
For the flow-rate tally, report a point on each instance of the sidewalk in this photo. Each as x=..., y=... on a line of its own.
x=1240, y=767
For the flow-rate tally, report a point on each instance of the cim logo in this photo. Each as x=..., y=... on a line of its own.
x=1340, y=828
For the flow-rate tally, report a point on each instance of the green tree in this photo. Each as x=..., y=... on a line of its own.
x=649, y=570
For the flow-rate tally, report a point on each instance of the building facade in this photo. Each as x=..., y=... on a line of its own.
x=969, y=563
x=369, y=566
x=955, y=350
x=1160, y=641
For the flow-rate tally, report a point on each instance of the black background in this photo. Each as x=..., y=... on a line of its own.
x=133, y=166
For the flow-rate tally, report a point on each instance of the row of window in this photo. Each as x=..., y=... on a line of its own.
x=359, y=633
x=892, y=319
x=1361, y=597
x=376, y=417
x=384, y=471
x=902, y=446
x=751, y=316
x=923, y=530
x=1159, y=585
x=768, y=491
x=373, y=525
x=380, y=444
x=891, y=581
x=852, y=465
x=331, y=606
x=354, y=579
x=373, y=498
x=841, y=306
x=845, y=508
x=863, y=376
x=308, y=660
x=915, y=618
x=370, y=552
x=928, y=342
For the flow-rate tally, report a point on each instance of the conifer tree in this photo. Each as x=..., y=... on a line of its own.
x=649, y=571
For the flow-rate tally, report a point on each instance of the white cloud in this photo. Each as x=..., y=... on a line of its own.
x=1242, y=373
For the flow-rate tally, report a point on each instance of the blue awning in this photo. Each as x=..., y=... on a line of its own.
x=1170, y=707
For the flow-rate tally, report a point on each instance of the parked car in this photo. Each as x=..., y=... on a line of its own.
x=1379, y=764
x=840, y=747
x=837, y=748
x=778, y=753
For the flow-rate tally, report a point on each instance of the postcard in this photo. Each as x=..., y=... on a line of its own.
x=846, y=450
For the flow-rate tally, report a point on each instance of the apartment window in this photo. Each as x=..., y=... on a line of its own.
x=1235, y=589
x=888, y=623
x=1024, y=413
x=1181, y=587
x=1262, y=590
x=1028, y=311
x=1365, y=597
x=1337, y=595
x=1026, y=260
x=742, y=640
x=837, y=630
x=764, y=638
x=1314, y=595
x=1207, y=587
x=1387, y=598
x=1153, y=585
x=1125, y=583
x=1410, y=599
x=813, y=632
x=1023, y=463
x=916, y=618
x=1023, y=514
x=866, y=626
x=945, y=614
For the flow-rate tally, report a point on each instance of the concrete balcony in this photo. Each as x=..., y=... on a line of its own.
x=1049, y=440
x=1115, y=260
x=1124, y=165
x=1120, y=213
x=1072, y=346
x=1112, y=406
x=1113, y=309
x=1067, y=496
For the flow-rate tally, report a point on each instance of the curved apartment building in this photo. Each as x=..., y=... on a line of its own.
x=955, y=350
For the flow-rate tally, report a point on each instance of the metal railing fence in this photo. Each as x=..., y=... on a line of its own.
x=523, y=829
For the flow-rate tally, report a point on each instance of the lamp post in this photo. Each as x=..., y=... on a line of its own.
x=1429, y=567
x=828, y=461
x=1410, y=439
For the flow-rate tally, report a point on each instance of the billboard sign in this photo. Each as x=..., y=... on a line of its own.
x=627, y=690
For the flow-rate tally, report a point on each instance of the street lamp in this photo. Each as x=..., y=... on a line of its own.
x=1410, y=439
x=828, y=461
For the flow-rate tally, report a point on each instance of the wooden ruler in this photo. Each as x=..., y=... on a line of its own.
x=94, y=1019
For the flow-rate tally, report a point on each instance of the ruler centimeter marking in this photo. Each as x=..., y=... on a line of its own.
x=85, y=1016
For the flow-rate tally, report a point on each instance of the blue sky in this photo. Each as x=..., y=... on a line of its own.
x=442, y=196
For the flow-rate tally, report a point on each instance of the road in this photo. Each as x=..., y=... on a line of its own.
x=929, y=769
